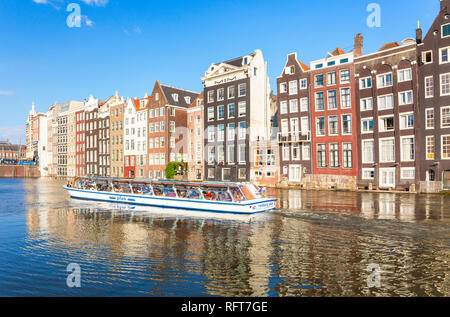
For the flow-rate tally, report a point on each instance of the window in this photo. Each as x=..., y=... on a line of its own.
x=321, y=155
x=231, y=111
x=429, y=120
x=231, y=92
x=368, y=151
x=293, y=106
x=346, y=100
x=285, y=152
x=242, y=154
x=220, y=94
x=367, y=125
x=211, y=133
x=387, y=150
x=445, y=117
x=220, y=154
x=386, y=123
x=231, y=131
x=242, y=130
x=242, y=90
x=171, y=126
x=386, y=102
x=283, y=107
x=404, y=75
x=427, y=57
x=345, y=76
x=211, y=114
x=332, y=99
x=430, y=147
x=368, y=173
x=334, y=155
x=304, y=104
x=172, y=142
x=306, y=152
x=408, y=173
x=242, y=108
x=303, y=84
x=283, y=88
x=211, y=155
x=443, y=52
x=407, y=149
x=319, y=81
x=445, y=84
x=210, y=96
x=333, y=126
x=445, y=30
x=347, y=155
x=347, y=124
x=366, y=104
x=242, y=174
x=220, y=112
x=320, y=103
x=220, y=132
x=407, y=121
x=405, y=98
x=230, y=154
x=445, y=145
x=331, y=78
x=296, y=152
x=384, y=80
x=320, y=126
x=293, y=87
x=365, y=83
x=429, y=87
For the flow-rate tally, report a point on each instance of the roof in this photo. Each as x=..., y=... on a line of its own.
x=304, y=67
x=138, y=106
x=170, y=92
x=388, y=46
x=337, y=52
x=236, y=61
x=5, y=146
x=194, y=102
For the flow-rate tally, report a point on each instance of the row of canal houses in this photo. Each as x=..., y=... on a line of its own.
x=347, y=121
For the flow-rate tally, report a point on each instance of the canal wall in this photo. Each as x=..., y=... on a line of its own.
x=12, y=171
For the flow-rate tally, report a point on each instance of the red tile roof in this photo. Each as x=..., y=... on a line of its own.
x=388, y=46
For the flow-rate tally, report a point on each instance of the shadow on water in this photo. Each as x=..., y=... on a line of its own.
x=316, y=244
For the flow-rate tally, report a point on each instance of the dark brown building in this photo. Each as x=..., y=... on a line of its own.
x=294, y=120
x=434, y=125
x=387, y=112
x=92, y=133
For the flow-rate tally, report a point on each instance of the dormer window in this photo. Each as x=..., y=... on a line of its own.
x=157, y=96
x=188, y=99
x=199, y=102
x=142, y=103
x=175, y=97
x=245, y=60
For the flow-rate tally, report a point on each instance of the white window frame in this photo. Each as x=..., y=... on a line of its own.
x=406, y=114
x=403, y=169
x=362, y=151
x=406, y=102
x=404, y=72
x=424, y=55
x=361, y=103
x=381, y=152
x=293, y=88
x=364, y=80
x=426, y=148
x=283, y=88
x=401, y=148
x=301, y=81
x=440, y=55
x=381, y=127
x=442, y=31
x=426, y=118
x=384, y=96
x=351, y=125
x=441, y=115
x=362, y=125
x=384, y=75
x=442, y=147
x=364, y=170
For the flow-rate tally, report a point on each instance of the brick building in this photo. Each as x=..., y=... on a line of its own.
x=196, y=137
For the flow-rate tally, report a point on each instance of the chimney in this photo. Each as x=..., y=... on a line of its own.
x=358, y=45
x=418, y=33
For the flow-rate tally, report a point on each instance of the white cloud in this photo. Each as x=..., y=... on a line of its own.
x=99, y=3
x=6, y=93
x=40, y=1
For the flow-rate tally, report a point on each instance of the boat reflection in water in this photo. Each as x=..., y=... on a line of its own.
x=317, y=244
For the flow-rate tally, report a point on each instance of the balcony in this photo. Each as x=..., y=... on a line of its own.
x=294, y=137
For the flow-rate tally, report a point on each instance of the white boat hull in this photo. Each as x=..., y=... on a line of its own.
x=246, y=207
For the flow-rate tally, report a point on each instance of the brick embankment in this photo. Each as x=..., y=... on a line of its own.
x=12, y=171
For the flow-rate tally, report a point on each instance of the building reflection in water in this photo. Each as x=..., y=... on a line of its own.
x=318, y=244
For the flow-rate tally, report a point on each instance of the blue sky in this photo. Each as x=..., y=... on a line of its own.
x=126, y=45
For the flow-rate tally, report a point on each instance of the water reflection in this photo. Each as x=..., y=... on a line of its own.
x=317, y=244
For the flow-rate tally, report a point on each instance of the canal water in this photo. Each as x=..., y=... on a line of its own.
x=315, y=244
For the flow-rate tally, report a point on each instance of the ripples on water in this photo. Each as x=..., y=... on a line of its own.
x=316, y=244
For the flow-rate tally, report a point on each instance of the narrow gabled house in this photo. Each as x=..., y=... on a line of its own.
x=167, y=127
x=333, y=116
x=117, y=110
x=195, y=140
x=92, y=136
x=294, y=121
x=140, y=132
x=80, y=131
x=434, y=83
x=387, y=107
x=236, y=115
x=72, y=135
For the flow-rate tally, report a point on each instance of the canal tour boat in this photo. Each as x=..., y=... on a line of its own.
x=235, y=198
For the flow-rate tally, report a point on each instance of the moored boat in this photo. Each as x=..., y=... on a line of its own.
x=237, y=198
